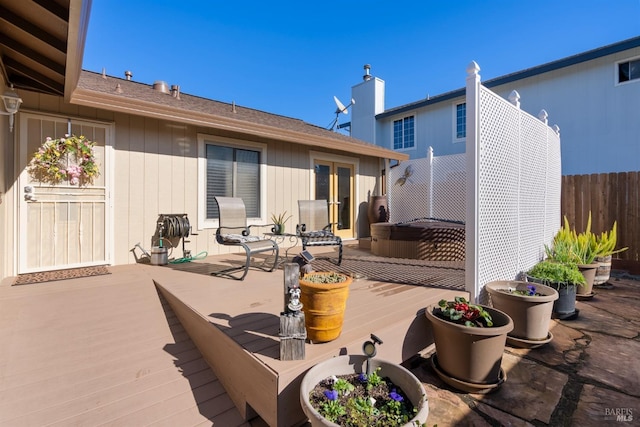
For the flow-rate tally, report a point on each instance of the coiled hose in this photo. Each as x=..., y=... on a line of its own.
x=200, y=255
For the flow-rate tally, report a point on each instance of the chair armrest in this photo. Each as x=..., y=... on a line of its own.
x=245, y=230
x=261, y=225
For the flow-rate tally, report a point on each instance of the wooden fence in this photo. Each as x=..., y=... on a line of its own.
x=609, y=197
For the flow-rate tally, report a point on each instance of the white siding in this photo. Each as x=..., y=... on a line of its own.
x=155, y=172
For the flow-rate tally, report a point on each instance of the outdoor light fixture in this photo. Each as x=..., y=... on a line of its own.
x=369, y=349
x=12, y=103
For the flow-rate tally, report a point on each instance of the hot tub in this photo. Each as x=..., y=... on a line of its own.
x=432, y=240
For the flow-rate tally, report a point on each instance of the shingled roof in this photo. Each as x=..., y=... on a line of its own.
x=117, y=94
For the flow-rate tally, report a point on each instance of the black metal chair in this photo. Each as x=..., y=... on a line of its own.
x=314, y=228
x=234, y=231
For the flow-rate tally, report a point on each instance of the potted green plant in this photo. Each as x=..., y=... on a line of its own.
x=562, y=277
x=530, y=307
x=324, y=299
x=470, y=341
x=581, y=249
x=341, y=391
x=278, y=222
x=606, y=247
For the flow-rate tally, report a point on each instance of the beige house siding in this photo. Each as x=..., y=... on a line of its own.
x=155, y=170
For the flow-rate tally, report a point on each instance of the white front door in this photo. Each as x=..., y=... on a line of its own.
x=62, y=225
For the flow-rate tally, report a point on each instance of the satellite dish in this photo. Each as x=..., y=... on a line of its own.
x=340, y=109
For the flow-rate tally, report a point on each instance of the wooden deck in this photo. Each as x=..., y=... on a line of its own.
x=109, y=350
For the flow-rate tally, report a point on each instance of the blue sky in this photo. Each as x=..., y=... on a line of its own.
x=292, y=57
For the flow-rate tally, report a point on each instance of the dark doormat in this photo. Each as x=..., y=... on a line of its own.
x=50, y=276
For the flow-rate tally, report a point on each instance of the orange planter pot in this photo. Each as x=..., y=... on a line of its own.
x=323, y=305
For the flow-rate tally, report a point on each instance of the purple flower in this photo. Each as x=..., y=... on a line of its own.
x=362, y=378
x=395, y=396
x=531, y=289
x=331, y=394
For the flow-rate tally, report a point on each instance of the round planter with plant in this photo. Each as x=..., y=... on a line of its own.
x=354, y=390
x=530, y=307
x=581, y=249
x=470, y=341
x=565, y=279
x=324, y=300
x=278, y=222
x=606, y=247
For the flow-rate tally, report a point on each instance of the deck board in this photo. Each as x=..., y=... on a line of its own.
x=111, y=350
x=242, y=322
x=104, y=350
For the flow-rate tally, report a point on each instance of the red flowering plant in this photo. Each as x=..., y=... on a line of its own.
x=462, y=312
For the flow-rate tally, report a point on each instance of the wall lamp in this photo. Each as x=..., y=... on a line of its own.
x=12, y=103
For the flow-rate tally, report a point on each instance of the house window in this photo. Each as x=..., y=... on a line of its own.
x=629, y=70
x=230, y=168
x=461, y=121
x=403, y=133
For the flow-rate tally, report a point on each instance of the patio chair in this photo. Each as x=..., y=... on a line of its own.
x=314, y=228
x=234, y=231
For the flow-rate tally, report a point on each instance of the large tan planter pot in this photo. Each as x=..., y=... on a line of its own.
x=604, y=270
x=468, y=354
x=323, y=305
x=531, y=315
x=345, y=365
x=589, y=273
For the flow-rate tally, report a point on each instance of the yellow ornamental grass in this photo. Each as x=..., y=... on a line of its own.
x=572, y=247
x=606, y=242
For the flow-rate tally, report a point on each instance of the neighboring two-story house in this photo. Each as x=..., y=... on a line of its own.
x=594, y=98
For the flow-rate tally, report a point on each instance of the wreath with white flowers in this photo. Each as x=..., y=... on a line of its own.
x=70, y=158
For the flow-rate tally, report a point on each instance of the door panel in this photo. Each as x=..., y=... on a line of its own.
x=61, y=225
x=334, y=182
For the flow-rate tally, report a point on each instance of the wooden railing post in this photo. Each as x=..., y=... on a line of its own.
x=292, y=330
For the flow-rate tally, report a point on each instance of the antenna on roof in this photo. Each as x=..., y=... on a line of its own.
x=340, y=108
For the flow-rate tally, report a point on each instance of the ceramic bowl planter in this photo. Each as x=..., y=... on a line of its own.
x=355, y=364
x=530, y=309
x=603, y=273
x=469, y=358
x=278, y=222
x=324, y=299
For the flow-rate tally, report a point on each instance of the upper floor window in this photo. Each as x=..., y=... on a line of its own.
x=403, y=133
x=461, y=121
x=629, y=70
x=230, y=169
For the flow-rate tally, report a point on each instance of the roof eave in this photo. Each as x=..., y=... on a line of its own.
x=99, y=100
x=79, y=12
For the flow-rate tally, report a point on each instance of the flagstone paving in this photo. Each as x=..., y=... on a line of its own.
x=588, y=375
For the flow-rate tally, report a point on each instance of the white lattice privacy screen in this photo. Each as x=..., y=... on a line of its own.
x=513, y=187
x=431, y=187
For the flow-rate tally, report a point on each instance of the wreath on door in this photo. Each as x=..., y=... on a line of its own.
x=69, y=158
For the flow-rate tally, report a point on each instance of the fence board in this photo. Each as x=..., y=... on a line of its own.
x=610, y=197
